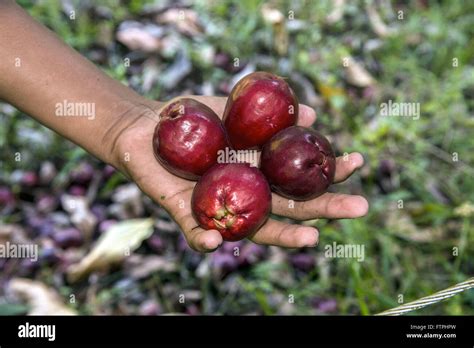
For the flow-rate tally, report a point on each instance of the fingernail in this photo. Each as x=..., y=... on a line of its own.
x=357, y=160
x=212, y=250
x=313, y=244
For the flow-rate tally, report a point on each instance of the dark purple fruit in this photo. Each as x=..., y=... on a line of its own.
x=299, y=163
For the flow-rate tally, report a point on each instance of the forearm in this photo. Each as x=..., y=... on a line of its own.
x=45, y=78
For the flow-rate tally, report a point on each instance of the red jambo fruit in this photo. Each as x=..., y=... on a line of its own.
x=235, y=199
x=188, y=137
x=259, y=106
x=299, y=163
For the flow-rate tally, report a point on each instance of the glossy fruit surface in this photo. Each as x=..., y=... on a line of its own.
x=188, y=137
x=235, y=199
x=259, y=106
x=299, y=163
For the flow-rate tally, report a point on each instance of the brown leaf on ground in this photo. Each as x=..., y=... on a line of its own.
x=276, y=18
x=185, y=20
x=139, y=266
x=41, y=299
x=13, y=233
x=402, y=225
x=376, y=23
x=356, y=74
x=138, y=36
x=81, y=216
x=337, y=12
x=118, y=242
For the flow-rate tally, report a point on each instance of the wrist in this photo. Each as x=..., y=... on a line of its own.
x=132, y=119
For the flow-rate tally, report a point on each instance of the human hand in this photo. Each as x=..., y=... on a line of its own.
x=132, y=146
x=126, y=141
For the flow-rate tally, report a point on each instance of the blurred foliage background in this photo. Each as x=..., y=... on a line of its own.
x=344, y=58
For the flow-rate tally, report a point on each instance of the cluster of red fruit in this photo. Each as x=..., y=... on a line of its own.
x=260, y=114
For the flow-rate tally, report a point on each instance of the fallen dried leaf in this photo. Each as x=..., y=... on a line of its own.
x=186, y=21
x=401, y=224
x=356, y=74
x=41, y=299
x=13, y=233
x=337, y=12
x=277, y=20
x=465, y=210
x=378, y=26
x=271, y=14
x=112, y=247
x=81, y=216
x=138, y=36
x=138, y=266
x=131, y=197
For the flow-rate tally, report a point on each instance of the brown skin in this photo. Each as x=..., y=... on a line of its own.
x=122, y=131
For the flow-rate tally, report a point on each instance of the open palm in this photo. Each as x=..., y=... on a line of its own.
x=174, y=193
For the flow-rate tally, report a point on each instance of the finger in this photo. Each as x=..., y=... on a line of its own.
x=198, y=238
x=179, y=208
x=346, y=165
x=278, y=233
x=306, y=116
x=329, y=205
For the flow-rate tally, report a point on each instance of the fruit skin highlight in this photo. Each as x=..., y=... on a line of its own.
x=188, y=137
x=259, y=106
x=234, y=199
x=299, y=163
